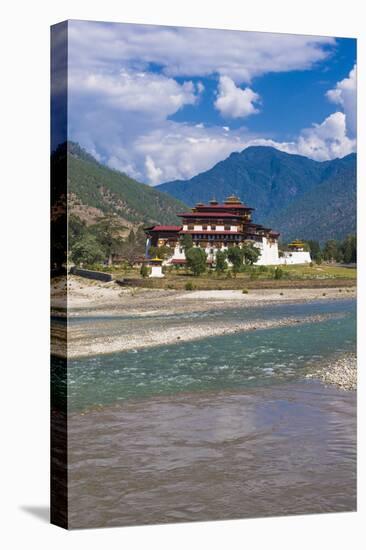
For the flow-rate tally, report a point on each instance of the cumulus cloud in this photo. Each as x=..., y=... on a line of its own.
x=171, y=150
x=180, y=151
x=153, y=172
x=326, y=140
x=144, y=92
x=234, y=102
x=125, y=81
x=184, y=51
x=345, y=94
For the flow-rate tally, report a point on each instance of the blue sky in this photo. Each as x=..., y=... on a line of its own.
x=163, y=103
x=291, y=100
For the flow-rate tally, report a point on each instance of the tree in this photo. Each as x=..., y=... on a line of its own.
x=314, y=249
x=87, y=250
x=108, y=232
x=221, y=263
x=144, y=271
x=349, y=249
x=76, y=229
x=235, y=256
x=196, y=260
x=331, y=250
x=140, y=238
x=251, y=253
x=130, y=253
x=317, y=257
x=186, y=242
x=341, y=251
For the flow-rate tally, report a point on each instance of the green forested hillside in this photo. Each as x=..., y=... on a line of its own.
x=95, y=190
x=297, y=196
x=326, y=211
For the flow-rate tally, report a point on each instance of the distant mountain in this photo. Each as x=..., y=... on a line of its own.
x=293, y=194
x=95, y=190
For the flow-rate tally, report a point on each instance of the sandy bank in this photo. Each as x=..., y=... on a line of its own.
x=90, y=297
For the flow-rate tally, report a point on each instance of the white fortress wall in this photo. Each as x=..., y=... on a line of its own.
x=296, y=257
x=269, y=252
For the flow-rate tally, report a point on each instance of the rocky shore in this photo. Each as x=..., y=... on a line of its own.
x=114, y=319
x=341, y=372
x=82, y=342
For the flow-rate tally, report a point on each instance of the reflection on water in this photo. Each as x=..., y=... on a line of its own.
x=287, y=449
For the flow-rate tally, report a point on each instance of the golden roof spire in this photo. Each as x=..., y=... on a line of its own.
x=232, y=199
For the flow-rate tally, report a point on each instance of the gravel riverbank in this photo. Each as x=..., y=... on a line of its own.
x=90, y=298
x=83, y=342
x=341, y=372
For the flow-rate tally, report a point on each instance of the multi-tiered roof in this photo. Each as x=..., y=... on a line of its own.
x=216, y=219
x=231, y=212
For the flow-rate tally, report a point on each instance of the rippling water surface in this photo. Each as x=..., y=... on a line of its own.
x=218, y=428
x=230, y=361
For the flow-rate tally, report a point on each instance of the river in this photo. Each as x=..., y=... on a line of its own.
x=222, y=427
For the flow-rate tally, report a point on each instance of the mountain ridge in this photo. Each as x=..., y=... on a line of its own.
x=94, y=190
x=282, y=188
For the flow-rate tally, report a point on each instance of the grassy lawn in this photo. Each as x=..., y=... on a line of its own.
x=323, y=271
x=292, y=276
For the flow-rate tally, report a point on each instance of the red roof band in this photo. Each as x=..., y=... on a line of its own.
x=215, y=210
x=175, y=228
x=205, y=232
x=209, y=215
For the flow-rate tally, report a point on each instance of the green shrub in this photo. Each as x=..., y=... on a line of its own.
x=144, y=271
x=196, y=260
x=189, y=286
x=221, y=263
x=245, y=291
x=278, y=273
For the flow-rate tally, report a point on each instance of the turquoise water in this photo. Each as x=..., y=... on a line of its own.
x=248, y=359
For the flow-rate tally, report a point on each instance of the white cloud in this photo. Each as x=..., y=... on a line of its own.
x=200, y=87
x=180, y=151
x=345, y=94
x=234, y=102
x=327, y=140
x=191, y=52
x=324, y=141
x=125, y=90
x=153, y=172
x=171, y=150
x=119, y=105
